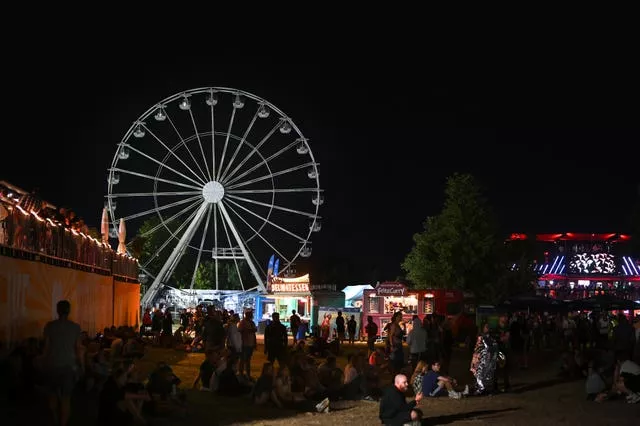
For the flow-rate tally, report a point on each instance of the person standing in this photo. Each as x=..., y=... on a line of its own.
x=395, y=339
x=340, y=327
x=247, y=330
x=294, y=324
x=417, y=341
x=63, y=361
x=275, y=340
x=372, y=334
x=352, y=325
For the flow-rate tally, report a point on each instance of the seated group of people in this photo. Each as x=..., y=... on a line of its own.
x=607, y=380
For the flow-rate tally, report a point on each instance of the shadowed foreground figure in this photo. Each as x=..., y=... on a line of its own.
x=394, y=409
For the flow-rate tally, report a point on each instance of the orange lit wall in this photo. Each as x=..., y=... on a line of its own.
x=30, y=290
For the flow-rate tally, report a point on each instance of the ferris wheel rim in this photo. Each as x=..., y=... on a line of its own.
x=233, y=91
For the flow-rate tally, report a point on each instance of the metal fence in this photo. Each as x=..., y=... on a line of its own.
x=27, y=232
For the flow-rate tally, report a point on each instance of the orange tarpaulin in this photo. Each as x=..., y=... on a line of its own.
x=30, y=290
x=126, y=310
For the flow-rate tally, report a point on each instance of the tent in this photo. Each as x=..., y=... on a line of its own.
x=532, y=303
x=354, y=293
x=603, y=303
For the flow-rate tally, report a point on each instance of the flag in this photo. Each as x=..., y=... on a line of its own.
x=276, y=267
x=270, y=266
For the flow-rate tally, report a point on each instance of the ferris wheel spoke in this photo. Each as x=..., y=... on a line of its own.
x=271, y=175
x=171, y=237
x=235, y=153
x=258, y=234
x=171, y=219
x=275, y=225
x=204, y=158
x=266, y=160
x=260, y=274
x=255, y=149
x=166, y=206
x=204, y=236
x=151, y=194
x=274, y=206
x=226, y=143
x=213, y=144
x=215, y=240
x=161, y=164
x=174, y=155
x=275, y=190
x=132, y=173
x=186, y=146
x=224, y=225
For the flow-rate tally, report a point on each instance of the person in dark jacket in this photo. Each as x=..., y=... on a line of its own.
x=276, y=340
x=394, y=409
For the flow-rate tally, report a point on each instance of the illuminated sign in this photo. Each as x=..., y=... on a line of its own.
x=290, y=288
x=391, y=289
x=592, y=263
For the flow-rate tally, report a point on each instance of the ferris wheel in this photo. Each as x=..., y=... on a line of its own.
x=222, y=179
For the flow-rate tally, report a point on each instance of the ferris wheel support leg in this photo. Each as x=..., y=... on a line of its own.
x=245, y=253
x=175, y=256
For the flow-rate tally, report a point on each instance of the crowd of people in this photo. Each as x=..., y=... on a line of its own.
x=305, y=376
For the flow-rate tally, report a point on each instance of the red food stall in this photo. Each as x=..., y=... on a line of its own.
x=389, y=297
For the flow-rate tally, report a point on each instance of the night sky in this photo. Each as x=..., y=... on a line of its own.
x=556, y=150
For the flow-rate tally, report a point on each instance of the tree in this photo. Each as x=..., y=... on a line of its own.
x=457, y=247
x=228, y=278
x=144, y=247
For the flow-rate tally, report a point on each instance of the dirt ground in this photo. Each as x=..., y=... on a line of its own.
x=538, y=398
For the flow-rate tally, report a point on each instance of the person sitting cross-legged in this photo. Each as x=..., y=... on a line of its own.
x=434, y=384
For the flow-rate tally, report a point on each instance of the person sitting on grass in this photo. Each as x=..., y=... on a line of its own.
x=228, y=383
x=118, y=407
x=434, y=384
x=264, y=390
x=418, y=374
x=207, y=371
x=394, y=409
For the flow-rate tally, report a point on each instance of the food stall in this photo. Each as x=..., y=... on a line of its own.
x=390, y=297
x=285, y=295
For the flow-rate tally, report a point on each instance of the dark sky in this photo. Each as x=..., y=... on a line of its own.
x=556, y=149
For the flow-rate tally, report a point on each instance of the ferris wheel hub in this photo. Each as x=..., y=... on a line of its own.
x=213, y=192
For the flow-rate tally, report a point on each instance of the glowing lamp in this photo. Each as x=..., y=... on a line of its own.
x=185, y=104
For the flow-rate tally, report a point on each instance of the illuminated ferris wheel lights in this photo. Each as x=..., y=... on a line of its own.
x=114, y=178
x=315, y=226
x=313, y=173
